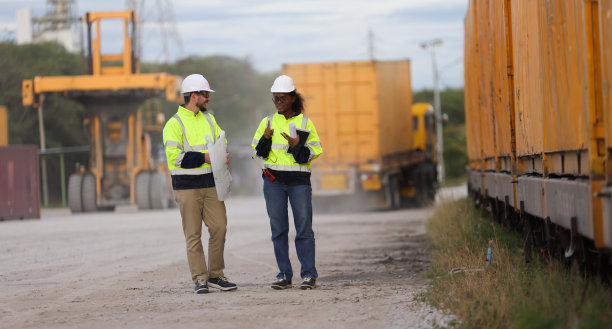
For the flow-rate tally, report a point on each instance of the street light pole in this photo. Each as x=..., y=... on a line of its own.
x=437, y=107
x=43, y=146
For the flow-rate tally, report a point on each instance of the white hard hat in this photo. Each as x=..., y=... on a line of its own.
x=282, y=84
x=195, y=82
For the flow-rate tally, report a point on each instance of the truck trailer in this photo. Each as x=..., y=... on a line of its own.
x=378, y=147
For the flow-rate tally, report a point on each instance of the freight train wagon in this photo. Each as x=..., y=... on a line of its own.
x=538, y=106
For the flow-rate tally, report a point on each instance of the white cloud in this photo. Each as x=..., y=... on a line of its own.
x=272, y=32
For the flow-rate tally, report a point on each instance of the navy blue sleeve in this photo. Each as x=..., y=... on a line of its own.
x=192, y=160
x=300, y=153
x=263, y=147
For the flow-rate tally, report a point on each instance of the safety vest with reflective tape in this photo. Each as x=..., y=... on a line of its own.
x=185, y=132
x=279, y=159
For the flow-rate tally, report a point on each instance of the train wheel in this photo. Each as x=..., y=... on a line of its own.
x=88, y=193
x=74, y=193
x=141, y=190
x=157, y=192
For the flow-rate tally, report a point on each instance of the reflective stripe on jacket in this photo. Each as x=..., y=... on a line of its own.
x=183, y=133
x=279, y=159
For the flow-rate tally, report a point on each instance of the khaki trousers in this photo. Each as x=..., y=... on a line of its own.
x=199, y=205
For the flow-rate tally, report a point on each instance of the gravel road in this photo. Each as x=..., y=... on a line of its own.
x=128, y=269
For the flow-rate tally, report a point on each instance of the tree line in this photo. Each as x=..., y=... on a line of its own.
x=241, y=99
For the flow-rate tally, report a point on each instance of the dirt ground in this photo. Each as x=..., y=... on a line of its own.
x=128, y=269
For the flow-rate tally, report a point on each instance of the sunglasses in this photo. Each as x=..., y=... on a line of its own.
x=280, y=99
x=203, y=93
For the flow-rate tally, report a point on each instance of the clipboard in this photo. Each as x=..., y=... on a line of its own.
x=304, y=134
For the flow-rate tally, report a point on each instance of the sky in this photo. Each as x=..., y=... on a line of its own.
x=271, y=32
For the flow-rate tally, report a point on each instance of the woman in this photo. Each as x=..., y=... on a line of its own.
x=287, y=178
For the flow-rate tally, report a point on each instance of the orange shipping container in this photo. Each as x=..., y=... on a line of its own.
x=543, y=69
x=472, y=110
x=499, y=95
x=487, y=125
x=364, y=116
x=527, y=77
x=605, y=30
x=565, y=83
x=361, y=109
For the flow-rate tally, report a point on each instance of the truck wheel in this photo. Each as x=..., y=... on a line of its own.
x=393, y=193
x=74, y=193
x=88, y=193
x=426, y=192
x=141, y=190
x=422, y=198
x=432, y=183
x=157, y=192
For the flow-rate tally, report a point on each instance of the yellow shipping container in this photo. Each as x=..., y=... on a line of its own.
x=565, y=84
x=499, y=96
x=527, y=75
x=3, y=126
x=472, y=110
x=361, y=109
x=605, y=30
x=539, y=102
x=363, y=113
x=486, y=66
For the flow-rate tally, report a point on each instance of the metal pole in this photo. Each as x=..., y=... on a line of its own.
x=438, y=112
x=371, y=44
x=43, y=159
x=63, y=180
x=437, y=108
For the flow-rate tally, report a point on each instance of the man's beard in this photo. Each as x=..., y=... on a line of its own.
x=201, y=107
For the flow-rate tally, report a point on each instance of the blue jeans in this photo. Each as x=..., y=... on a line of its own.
x=300, y=196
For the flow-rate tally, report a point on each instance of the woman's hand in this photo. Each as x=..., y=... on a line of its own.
x=293, y=141
x=268, y=133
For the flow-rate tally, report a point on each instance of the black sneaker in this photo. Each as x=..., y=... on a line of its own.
x=281, y=284
x=221, y=283
x=201, y=287
x=308, y=283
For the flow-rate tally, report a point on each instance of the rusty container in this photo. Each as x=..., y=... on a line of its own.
x=361, y=109
x=487, y=123
x=567, y=86
x=527, y=78
x=19, y=182
x=605, y=69
x=499, y=91
x=472, y=110
x=605, y=72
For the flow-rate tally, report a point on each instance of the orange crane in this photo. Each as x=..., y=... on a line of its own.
x=121, y=169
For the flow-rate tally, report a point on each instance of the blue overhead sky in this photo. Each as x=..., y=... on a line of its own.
x=271, y=32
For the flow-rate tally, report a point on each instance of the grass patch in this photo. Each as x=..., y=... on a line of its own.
x=509, y=293
x=454, y=181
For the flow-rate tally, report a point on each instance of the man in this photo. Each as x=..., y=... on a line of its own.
x=194, y=186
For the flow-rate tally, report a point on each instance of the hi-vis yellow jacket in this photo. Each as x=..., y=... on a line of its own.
x=185, y=147
x=281, y=159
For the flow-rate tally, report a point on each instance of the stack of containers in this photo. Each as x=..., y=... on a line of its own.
x=537, y=98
